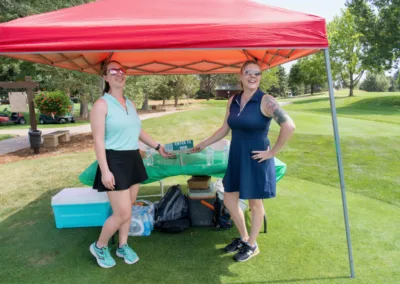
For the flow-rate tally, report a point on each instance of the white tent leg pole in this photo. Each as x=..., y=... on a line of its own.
x=339, y=160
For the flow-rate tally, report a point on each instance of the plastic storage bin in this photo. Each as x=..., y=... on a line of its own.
x=201, y=215
x=80, y=207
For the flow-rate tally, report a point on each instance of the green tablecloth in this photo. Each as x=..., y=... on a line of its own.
x=184, y=164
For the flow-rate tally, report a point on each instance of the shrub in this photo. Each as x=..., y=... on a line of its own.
x=55, y=102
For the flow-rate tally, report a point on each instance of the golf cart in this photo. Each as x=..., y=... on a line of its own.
x=11, y=117
x=47, y=119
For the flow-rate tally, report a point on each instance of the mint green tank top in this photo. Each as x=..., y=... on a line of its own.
x=122, y=127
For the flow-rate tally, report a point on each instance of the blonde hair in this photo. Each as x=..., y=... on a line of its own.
x=245, y=64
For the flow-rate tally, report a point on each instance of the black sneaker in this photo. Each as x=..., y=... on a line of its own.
x=246, y=252
x=235, y=245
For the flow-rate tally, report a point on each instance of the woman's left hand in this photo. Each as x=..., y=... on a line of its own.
x=165, y=154
x=263, y=155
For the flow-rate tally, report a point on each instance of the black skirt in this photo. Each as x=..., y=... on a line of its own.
x=126, y=166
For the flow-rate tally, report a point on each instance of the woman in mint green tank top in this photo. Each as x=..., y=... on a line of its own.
x=117, y=129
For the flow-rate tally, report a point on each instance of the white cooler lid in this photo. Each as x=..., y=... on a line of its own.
x=79, y=196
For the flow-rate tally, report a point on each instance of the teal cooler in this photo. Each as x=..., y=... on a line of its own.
x=80, y=207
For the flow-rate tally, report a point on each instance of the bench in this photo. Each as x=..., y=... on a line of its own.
x=51, y=140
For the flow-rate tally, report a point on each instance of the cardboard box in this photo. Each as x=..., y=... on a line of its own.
x=199, y=182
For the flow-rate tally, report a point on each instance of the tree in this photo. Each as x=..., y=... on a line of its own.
x=313, y=72
x=270, y=81
x=73, y=83
x=394, y=82
x=282, y=81
x=296, y=79
x=208, y=82
x=345, y=47
x=378, y=23
x=163, y=87
x=375, y=83
x=13, y=9
x=46, y=76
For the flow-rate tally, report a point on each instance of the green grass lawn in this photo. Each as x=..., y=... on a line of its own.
x=382, y=107
x=5, y=136
x=306, y=239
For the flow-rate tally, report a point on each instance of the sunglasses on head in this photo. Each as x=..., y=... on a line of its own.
x=252, y=73
x=115, y=71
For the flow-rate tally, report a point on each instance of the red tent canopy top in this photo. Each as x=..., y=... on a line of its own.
x=164, y=37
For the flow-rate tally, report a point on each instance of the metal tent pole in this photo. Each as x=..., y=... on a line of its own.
x=339, y=160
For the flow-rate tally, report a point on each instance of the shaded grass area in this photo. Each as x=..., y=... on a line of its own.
x=5, y=136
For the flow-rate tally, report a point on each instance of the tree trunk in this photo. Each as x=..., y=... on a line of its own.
x=84, y=111
x=312, y=89
x=176, y=100
x=351, y=94
x=208, y=86
x=145, y=105
x=351, y=90
x=163, y=101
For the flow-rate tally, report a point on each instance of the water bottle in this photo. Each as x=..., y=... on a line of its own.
x=225, y=154
x=146, y=224
x=210, y=156
x=149, y=156
x=137, y=227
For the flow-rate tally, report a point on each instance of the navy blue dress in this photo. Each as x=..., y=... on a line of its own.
x=253, y=180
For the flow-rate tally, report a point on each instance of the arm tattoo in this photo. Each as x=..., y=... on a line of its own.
x=280, y=116
x=271, y=106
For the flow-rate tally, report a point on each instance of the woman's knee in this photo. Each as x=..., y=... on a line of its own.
x=231, y=198
x=256, y=205
x=123, y=216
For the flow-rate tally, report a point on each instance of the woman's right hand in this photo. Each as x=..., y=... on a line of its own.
x=198, y=148
x=108, y=180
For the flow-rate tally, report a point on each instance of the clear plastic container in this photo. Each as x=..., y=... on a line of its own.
x=210, y=156
x=225, y=154
x=149, y=156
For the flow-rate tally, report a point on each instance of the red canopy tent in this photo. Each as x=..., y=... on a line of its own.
x=172, y=37
x=166, y=37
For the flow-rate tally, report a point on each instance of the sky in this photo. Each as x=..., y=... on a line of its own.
x=323, y=8
x=326, y=9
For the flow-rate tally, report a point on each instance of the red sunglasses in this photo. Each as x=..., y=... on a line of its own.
x=115, y=71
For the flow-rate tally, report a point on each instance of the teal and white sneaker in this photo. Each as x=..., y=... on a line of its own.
x=102, y=255
x=128, y=254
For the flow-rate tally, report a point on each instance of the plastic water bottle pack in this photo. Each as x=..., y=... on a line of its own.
x=142, y=221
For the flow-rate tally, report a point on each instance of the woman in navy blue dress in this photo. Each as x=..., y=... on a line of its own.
x=251, y=170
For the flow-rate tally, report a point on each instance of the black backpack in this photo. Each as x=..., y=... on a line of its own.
x=172, y=212
x=222, y=218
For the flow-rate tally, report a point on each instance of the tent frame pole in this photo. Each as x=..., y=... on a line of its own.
x=339, y=160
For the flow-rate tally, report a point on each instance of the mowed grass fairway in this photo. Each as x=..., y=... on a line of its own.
x=306, y=240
